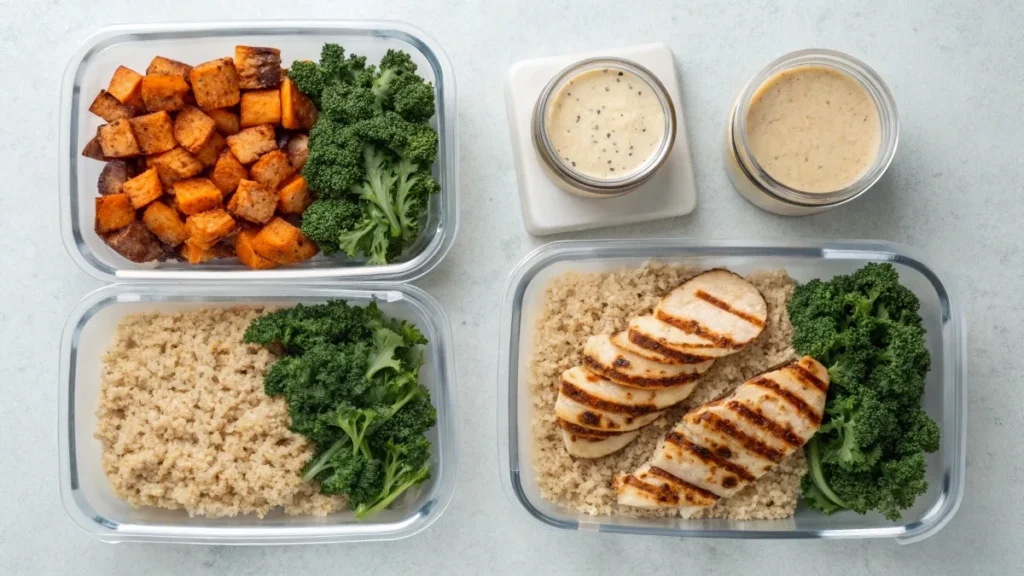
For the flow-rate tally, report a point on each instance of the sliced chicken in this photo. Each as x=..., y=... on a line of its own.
x=717, y=305
x=653, y=334
x=724, y=445
x=621, y=341
x=653, y=487
x=583, y=442
x=588, y=400
x=602, y=356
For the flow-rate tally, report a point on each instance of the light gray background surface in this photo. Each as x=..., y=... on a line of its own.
x=955, y=192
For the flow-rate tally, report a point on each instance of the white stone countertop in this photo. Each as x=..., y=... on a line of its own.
x=955, y=192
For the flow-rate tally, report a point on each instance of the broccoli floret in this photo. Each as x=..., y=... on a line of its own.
x=324, y=221
x=335, y=160
x=920, y=433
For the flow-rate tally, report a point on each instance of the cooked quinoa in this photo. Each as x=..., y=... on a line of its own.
x=577, y=306
x=184, y=423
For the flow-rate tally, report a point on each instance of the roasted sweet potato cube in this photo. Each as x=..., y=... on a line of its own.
x=109, y=108
x=196, y=195
x=136, y=243
x=211, y=149
x=207, y=228
x=192, y=128
x=117, y=139
x=294, y=196
x=258, y=67
x=113, y=176
x=163, y=92
x=271, y=169
x=227, y=121
x=283, y=243
x=260, y=107
x=297, y=111
x=251, y=143
x=228, y=172
x=144, y=188
x=93, y=149
x=175, y=164
x=164, y=221
x=253, y=202
x=113, y=212
x=215, y=83
x=126, y=86
x=245, y=253
x=297, y=149
x=154, y=132
x=195, y=254
x=161, y=65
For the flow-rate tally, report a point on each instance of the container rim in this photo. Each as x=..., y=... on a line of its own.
x=444, y=399
x=448, y=158
x=954, y=417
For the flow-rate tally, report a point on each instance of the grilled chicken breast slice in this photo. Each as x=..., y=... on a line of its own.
x=621, y=341
x=717, y=305
x=581, y=383
x=602, y=356
x=587, y=416
x=652, y=487
x=725, y=445
x=653, y=334
x=582, y=442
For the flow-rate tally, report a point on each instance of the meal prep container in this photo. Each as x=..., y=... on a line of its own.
x=945, y=397
x=84, y=488
x=135, y=45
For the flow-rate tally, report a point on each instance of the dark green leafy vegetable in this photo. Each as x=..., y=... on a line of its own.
x=869, y=453
x=350, y=376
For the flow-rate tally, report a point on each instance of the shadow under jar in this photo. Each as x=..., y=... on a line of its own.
x=603, y=126
x=814, y=129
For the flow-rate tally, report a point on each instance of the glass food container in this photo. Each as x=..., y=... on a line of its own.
x=575, y=181
x=945, y=397
x=752, y=181
x=135, y=45
x=86, y=493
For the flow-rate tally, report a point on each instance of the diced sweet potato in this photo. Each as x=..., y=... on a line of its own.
x=207, y=228
x=93, y=149
x=294, y=196
x=251, y=143
x=136, y=243
x=175, y=164
x=164, y=221
x=253, y=202
x=115, y=173
x=248, y=256
x=196, y=195
x=109, y=108
x=117, y=139
x=258, y=67
x=215, y=83
x=192, y=128
x=283, y=243
x=163, y=92
x=227, y=172
x=154, y=132
x=161, y=65
x=211, y=149
x=260, y=107
x=297, y=111
x=195, y=254
x=144, y=188
x=113, y=212
x=271, y=169
x=297, y=149
x=227, y=121
x=126, y=86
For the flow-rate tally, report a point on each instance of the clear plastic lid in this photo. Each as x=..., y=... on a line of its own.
x=135, y=45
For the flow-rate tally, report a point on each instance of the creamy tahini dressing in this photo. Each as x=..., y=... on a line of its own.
x=605, y=123
x=813, y=128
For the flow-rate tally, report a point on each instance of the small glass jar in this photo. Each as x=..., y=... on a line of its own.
x=764, y=191
x=564, y=174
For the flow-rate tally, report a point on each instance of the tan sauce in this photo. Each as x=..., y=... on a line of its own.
x=605, y=123
x=813, y=128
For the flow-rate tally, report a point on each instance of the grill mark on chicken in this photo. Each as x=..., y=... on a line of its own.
x=807, y=377
x=655, y=346
x=571, y=391
x=673, y=479
x=780, y=431
x=584, y=432
x=748, y=442
x=707, y=456
x=698, y=329
x=664, y=494
x=787, y=396
x=726, y=307
x=637, y=381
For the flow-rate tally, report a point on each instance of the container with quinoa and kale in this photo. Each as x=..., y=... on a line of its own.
x=692, y=394
x=196, y=415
